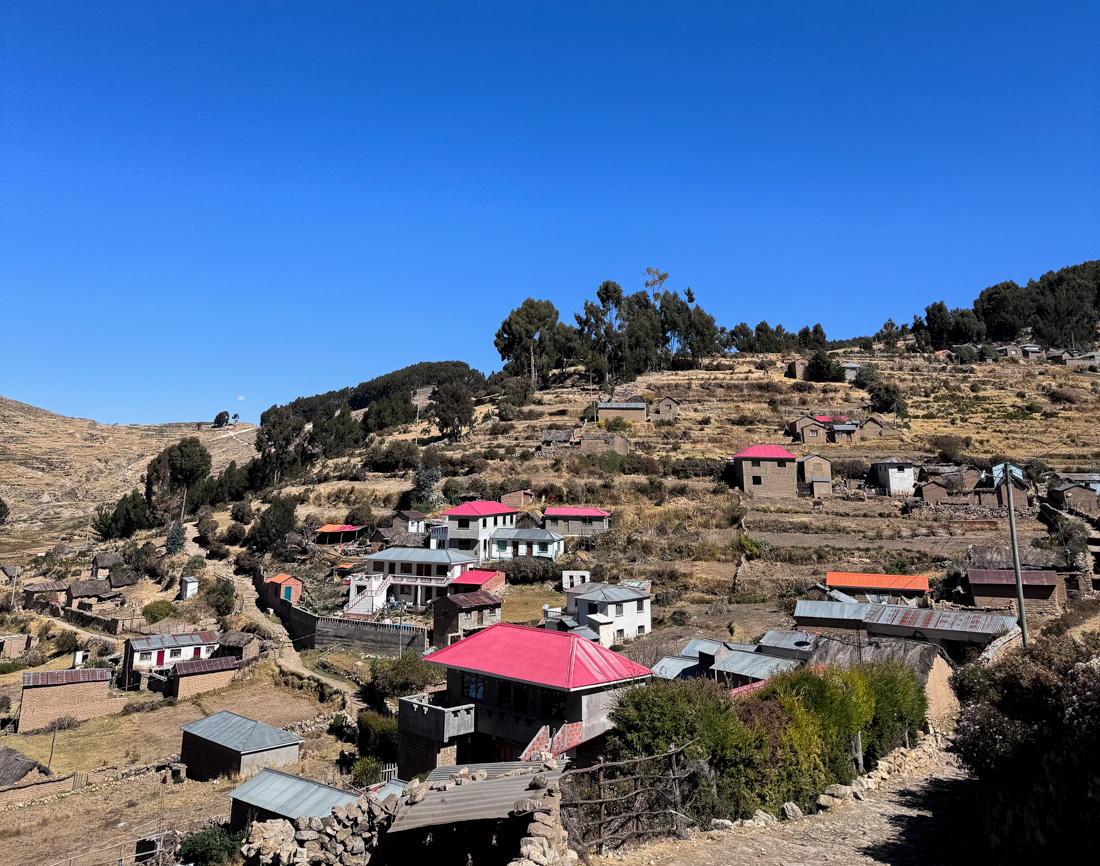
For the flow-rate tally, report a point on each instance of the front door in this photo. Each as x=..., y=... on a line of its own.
x=286, y=593
x=197, y=652
x=515, y=549
x=160, y=657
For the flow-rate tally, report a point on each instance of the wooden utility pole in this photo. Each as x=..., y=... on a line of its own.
x=1007, y=481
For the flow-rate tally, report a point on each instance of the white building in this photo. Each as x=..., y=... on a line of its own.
x=894, y=475
x=613, y=613
x=416, y=575
x=470, y=527
x=538, y=543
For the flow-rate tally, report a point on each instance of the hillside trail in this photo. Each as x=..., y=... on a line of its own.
x=925, y=819
x=289, y=657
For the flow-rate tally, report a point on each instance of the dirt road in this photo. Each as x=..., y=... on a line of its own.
x=926, y=820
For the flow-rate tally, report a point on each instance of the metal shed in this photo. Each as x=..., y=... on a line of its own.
x=226, y=744
x=275, y=794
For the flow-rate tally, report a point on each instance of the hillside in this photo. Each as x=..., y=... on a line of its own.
x=55, y=470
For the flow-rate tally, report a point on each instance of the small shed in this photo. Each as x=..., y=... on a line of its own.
x=517, y=498
x=338, y=533
x=44, y=592
x=189, y=587
x=1044, y=591
x=9, y=572
x=200, y=675
x=103, y=562
x=456, y=616
x=668, y=407
x=796, y=369
x=283, y=587
x=628, y=411
x=92, y=595
x=894, y=476
x=272, y=794
x=931, y=492
x=226, y=744
x=241, y=645
x=1074, y=496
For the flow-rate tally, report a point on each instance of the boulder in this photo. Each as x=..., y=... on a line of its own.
x=839, y=792
x=525, y=805
x=306, y=835
x=766, y=817
x=791, y=811
x=721, y=824
x=538, y=782
x=826, y=802
x=416, y=796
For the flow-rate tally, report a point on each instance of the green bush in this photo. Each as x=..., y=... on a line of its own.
x=67, y=641
x=155, y=611
x=900, y=706
x=396, y=678
x=377, y=736
x=366, y=771
x=212, y=847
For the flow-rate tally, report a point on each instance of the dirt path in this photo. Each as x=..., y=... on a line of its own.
x=252, y=609
x=925, y=819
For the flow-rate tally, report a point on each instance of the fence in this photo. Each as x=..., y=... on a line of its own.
x=389, y=772
x=613, y=803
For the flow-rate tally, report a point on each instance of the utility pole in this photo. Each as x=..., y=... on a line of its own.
x=1007, y=481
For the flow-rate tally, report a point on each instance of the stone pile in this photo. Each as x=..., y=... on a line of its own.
x=347, y=837
x=546, y=842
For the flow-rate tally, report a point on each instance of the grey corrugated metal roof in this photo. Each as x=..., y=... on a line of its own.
x=821, y=480
x=609, y=592
x=697, y=644
x=622, y=405
x=675, y=667
x=794, y=640
x=587, y=633
x=492, y=797
x=527, y=535
x=756, y=666
x=843, y=597
x=291, y=796
x=173, y=641
x=828, y=610
x=894, y=460
x=418, y=554
x=920, y=619
x=845, y=427
x=393, y=786
x=239, y=733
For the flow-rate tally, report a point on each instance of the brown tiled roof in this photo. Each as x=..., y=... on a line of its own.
x=205, y=666
x=65, y=678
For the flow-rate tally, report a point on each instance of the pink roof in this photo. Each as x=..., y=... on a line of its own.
x=478, y=508
x=766, y=452
x=576, y=512
x=338, y=527
x=824, y=418
x=556, y=659
x=475, y=577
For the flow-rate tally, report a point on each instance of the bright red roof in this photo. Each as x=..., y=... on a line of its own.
x=766, y=452
x=475, y=577
x=338, y=527
x=568, y=511
x=281, y=578
x=478, y=508
x=910, y=582
x=556, y=659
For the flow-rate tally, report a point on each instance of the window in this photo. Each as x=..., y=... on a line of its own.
x=593, y=608
x=813, y=432
x=641, y=605
x=473, y=686
x=463, y=523
x=542, y=547
x=441, y=570
x=174, y=654
x=641, y=629
x=377, y=566
x=553, y=704
x=620, y=635
x=481, y=617
x=782, y=464
x=756, y=481
x=618, y=610
x=495, y=519
x=145, y=657
x=406, y=568
x=755, y=464
x=502, y=546
x=484, y=522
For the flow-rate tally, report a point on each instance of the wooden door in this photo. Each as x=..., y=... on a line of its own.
x=160, y=657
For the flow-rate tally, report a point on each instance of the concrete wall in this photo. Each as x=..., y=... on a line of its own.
x=42, y=705
x=373, y=638
x=628, y=622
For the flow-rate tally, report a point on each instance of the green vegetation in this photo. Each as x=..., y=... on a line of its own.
x=4, y=512
x=366, y=771
x=213, y=847
x=408, y=675
x=377, y=736
x=176, y=540
x=273, y=525
x=129, y=515
x=155, y=611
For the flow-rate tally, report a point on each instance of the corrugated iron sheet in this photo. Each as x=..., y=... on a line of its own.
x=1008, y=576
x=64, y=678
x=828, y=610
x=938, y=620
x=756, y=666
x=239, y=733
x=173, y=641
x=675, y=667
x=793, y=640
x=848, y=580
x=291, y=796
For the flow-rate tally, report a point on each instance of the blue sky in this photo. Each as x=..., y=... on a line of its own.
x=206, y=201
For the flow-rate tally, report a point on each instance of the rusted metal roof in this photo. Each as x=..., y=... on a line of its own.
x=205, y=666
x=1008, y=576
x=46, y=586
x=468, y=600
x=959, y=621
x=65, y=678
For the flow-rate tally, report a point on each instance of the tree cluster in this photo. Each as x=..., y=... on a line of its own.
x=764, y=338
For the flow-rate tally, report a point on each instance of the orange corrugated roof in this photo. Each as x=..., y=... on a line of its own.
x=280, y=578
x=844, y=579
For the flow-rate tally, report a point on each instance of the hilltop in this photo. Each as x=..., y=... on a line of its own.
x=55, y=470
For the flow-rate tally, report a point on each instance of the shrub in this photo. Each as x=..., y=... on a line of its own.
x=12, y=666
x=195, y=566
x=241, y=512
x=378, y=736
x=222, y=597
x=366, y=771
x=155, y=611
x=616, y=425
x=235, y=534
x=679, y=617
x=407, y=675
x=900, y=705
x=177, y=538
x=67, y=641
x=212, y=847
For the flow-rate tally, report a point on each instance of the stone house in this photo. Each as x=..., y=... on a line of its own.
x=989, y=494
x=194, y=677
x=554, y=439
x=51, y=695
x=241, y=645
x=667, y=408
x=1010, y=351
x=44, y=592
x=817, y=472
x=14, y=646
x=282, y=587
x=601, y=443
x=1074, y=496
x=226, y=744
x=530, y=519
x=636, y=413
x=931, y=492
x=460, y=615
x=955, y=478
x=155, y=655
x=509, y=686
x=893, y=476
x=470, y=526
x=92, y=595
x=102, y=564
x=870, y=428
x=1031, y=352
x=517, y=498
x=1089, y=479
x=796, y=369
x=766, y=472
x=576, y=521
x=410, y=521
x=1044, y=591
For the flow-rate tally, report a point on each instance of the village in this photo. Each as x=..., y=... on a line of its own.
x=428, y=678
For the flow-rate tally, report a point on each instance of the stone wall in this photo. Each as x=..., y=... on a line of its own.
x=372, y=638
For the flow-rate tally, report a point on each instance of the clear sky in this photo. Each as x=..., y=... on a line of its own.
x=210, y=206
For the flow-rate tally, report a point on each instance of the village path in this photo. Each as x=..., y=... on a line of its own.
x=289, y=657
x=926, y=819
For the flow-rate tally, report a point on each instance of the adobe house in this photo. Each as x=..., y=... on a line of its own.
x=1031, y=352
x=1009, y=351
x=796, y=369
x=45, y=592
x=931, y=492
x=766, y=471
x=459, y=615
x=894, y=476
x=553, y=439
x=1074, y=496
x=226, y=744
x=813, y=433
x=601, y=443
x=667, y=407
x=517, y=498
x=200, y=675
x=508, y=688
x=1044, y=592
x=14, y=646
x=958, y=478
x=410, y=521
x=576, y=521
x=872, y=427
x=628, y=411
x=844, y=434
x=51, y=695
x=92, y=595
x=241, y=645
x=989, y=494
x=817, y=472
x=282, y=587
x=156, y=654
x=102, y=563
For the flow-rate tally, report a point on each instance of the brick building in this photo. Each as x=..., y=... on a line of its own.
x=1044, y=591
x=601, y=443
x=633, y=412
x=1074, y=496
x=816, y=472
x=282, y=587
x=766, y=471
x=200, y=675
x=476, y=579
x=44, y=592
x=51, y=695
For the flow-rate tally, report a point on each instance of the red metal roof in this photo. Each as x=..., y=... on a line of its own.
x=282, y=578
x=474, y=577
x=1007, y=575
x=338, y=527
x=478, y=508
x=556, y=659
x=205, y=666
x=766, y=452
x=840, y=419
x=570, y=511
x=908, y=582
x=65, y=678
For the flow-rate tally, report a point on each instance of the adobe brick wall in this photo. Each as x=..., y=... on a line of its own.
x=776, y=482
x=42, y=705
x=196, y=684
x=632, y=414
x=1038, y=600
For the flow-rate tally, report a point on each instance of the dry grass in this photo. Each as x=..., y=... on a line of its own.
x=524, y=603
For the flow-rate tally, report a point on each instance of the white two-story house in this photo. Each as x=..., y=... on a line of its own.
x=470, y=527
x=608, y=614
x=417, y=575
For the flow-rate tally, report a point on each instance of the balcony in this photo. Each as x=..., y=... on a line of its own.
x=417, y=715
